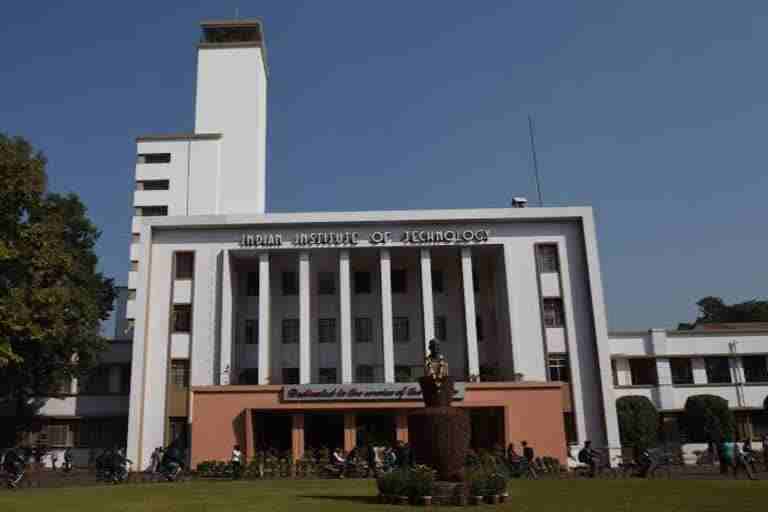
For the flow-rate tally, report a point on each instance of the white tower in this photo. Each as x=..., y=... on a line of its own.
x=232, y=100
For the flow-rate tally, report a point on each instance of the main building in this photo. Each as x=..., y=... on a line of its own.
x=296, y=331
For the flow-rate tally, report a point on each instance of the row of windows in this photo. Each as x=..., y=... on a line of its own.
x=103, y=379
x=718, y=370
x=90, y=433
x=364, y=373
x=327, y=332
x=362, y=282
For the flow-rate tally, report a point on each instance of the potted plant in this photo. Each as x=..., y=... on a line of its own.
x=421, y=480
x=477, y=482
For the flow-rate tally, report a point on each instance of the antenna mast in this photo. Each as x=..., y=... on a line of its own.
x=535, y=160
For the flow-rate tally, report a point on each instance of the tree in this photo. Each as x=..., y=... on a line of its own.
x=638, y=421
x=52, y=299
x=715, y=310
x=708, y=418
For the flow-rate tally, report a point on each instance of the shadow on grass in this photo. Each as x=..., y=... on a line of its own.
x=370, y=500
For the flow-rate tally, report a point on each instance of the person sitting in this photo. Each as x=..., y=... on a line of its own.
x=338, y=462
x=590, y=457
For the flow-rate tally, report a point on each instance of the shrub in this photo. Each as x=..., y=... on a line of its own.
x=421, y=481
x=477, y=481
x=638, y=421
x=394, y=483
x=708, y=418
x=497, y=483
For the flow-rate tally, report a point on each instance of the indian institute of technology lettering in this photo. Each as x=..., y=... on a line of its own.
x=416, y=237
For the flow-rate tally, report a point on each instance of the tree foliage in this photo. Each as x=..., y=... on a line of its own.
x=638, y=421
x=708, y=418
x=52, y=299
x=715, y=310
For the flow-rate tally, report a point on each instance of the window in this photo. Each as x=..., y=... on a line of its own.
x=153, y=158
x=135, y=237
x=399, y=281
x=438, y=284
x=96, y=382
x=249, y=376
x=251, y=332
x=151, y=211
x=364, y=373
x=326, y=330
x=57, y=435
x=441, y=331
x=182, y=318
x=643, y=372
x=152, y=185
x=131, y=294
x=403, y=374
x=290, y=375
x=558, y=367
x=755, y=368
x=134, y=265
x=326, y=283
x=682, y=372
x=362, y=282
x=290, y=283
x=400, y=329
x=327, y=375
x=553, y=312
x=363, y=329
x=180, y=373
x=290, y=330
x=718, y=370
x=547, y=257
x=185, y=265
x=615, y=372
x=125, y=378
x=479, y=328
x=252, y=284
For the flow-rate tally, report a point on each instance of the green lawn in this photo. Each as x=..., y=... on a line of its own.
x=343, y=495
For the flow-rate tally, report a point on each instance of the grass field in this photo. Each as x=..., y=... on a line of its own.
x=357, y=495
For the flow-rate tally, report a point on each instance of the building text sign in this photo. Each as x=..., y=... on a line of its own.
x=350, y=238
x=359, y=392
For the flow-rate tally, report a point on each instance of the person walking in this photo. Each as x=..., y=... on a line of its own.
x=237, y=462
x=765, y=451
x=530, y=457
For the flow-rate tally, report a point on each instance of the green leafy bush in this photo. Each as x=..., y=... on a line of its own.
x=638, y=421
x=477, y=481
x=394, y=483
x=708, y=418
x=421, y=481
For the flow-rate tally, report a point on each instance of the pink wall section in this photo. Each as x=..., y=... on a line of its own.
x=532, y=412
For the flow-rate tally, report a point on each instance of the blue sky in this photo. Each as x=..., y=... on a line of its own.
x=653, y=112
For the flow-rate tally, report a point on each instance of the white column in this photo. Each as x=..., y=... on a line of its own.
x=386, y=316
x=305, y=320
x=265, y=299
x=225, y=359
x=427, y=302
x=473, y=365
x=345, y=312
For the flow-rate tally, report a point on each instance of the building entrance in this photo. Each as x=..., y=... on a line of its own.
x=487, y=427
x=272, y=431
x=377, y=429
x=323, y=430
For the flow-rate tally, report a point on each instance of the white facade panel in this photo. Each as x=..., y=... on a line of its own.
x=180, y=345
x=182, y=291
x=550, y=284
x=556, y=342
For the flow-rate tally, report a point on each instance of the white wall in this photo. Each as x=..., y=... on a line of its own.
x=231, y=99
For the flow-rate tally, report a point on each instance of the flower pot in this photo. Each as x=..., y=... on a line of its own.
x=427, y=500
x=403, y=500
x=477, y=500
